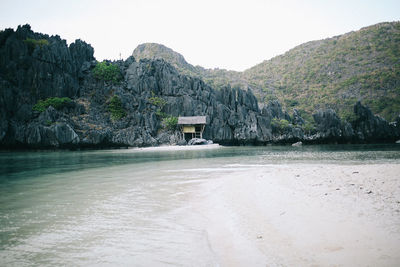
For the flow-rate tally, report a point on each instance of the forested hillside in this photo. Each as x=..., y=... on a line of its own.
x=336, y=72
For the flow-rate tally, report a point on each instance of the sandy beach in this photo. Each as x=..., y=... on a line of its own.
x=304, y=215
x=300, y=214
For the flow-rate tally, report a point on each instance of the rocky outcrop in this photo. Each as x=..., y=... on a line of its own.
x=149, y=91
x=58, y=135
x=42, y=65
x=159, y=51
x=233, y=113
x=367, y=127
x=329, y=127
x=35, y=66
x=276, y=110
x=371, y=128
x=297, y=119
x=65, y=134
x=198, y=141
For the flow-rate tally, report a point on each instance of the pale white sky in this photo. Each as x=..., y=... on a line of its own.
x=226, y=34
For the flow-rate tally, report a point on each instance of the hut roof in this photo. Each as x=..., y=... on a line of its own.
x=192, y=120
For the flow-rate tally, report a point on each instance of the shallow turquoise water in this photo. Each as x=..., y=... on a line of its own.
x=129, y=207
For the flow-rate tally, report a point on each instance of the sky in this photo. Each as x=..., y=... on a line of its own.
x=227, y=34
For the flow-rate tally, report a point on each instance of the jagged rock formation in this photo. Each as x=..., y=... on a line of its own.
x=329, y=126
x=35, y=66
x=42, y=70
x=216, y=78
x=149, y=90
x=159, y=51
x=370, y=127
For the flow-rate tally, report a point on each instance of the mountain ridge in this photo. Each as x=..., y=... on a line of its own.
x=217, y=78
x=334, y=72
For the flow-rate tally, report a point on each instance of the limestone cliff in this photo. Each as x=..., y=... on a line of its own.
x=35, y=66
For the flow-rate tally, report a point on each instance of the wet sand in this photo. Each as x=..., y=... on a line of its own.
x=304, y=215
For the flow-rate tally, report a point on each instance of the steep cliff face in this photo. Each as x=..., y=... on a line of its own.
x=34, y=67
x=369, y=127
x=330, y=127
x=233, y=114
x=42, y=66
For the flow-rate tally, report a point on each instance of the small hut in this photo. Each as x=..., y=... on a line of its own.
x=192, y=127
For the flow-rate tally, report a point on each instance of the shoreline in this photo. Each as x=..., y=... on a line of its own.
x=162, y=146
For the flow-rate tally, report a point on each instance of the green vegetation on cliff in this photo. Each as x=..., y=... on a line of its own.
x=107, y=72
x=55, y=102
x=170, y=123
x=33, y=42
x=159, y=103
x=281, y=125
x=116, y=109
